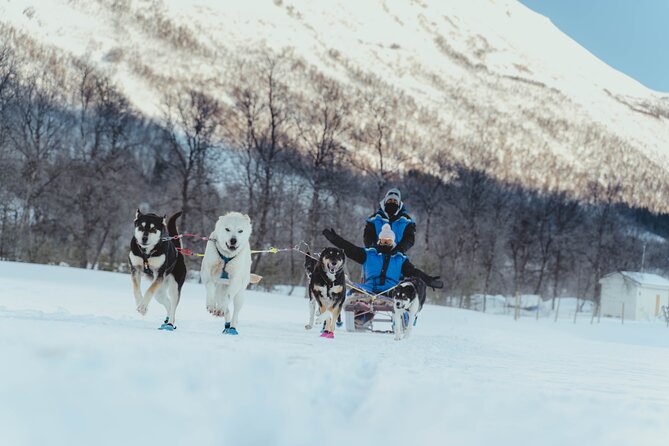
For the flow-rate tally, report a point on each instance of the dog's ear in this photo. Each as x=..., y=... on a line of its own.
x=137, y=214
x=165, y=220
x=248, y=220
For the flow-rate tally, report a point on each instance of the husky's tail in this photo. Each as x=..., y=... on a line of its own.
x=309, y=264
x=421, y=290
x=172, y=228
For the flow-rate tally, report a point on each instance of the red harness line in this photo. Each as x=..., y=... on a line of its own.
x=189, y=252
x=185, y=251
x=178, y=236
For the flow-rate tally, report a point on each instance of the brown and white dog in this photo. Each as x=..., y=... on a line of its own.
x=327, y=288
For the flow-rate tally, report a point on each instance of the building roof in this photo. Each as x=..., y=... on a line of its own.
x=646, y=279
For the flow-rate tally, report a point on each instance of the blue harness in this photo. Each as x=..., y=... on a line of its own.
x=226, y=260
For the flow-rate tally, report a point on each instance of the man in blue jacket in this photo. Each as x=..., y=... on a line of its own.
x=383, y=266
x=391, y=212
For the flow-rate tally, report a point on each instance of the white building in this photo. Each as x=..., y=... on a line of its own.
x=643, y=295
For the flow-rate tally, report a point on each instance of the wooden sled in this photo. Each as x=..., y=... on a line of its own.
x=364, y=314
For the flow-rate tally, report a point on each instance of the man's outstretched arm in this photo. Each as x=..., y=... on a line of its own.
x=355, y=253
x=408, y=269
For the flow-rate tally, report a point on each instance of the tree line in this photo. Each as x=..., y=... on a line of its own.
x=297, y=152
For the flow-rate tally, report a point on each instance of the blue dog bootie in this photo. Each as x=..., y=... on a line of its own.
x=167, y=325
x=405, y=319
x=230, y=330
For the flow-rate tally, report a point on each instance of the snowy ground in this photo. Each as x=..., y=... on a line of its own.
x=81, y=367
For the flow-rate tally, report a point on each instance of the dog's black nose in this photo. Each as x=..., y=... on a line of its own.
x=233, y=241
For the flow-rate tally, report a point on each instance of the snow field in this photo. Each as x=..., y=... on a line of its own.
x=80, y=366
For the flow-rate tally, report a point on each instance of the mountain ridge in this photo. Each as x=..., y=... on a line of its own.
x=469, y=81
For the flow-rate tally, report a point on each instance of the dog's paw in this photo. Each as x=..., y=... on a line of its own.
x=308, y=327
x=142, y=308
x=215, y=310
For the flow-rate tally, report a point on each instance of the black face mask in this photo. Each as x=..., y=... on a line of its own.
x=384, y=249
x=391, y=208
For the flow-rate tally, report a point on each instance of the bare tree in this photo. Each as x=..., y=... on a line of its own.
x=567, y=220
x=191, y=120
x=7, y=84
x=321, y=123
x=427, y=191
x=39, y=127
x=378, y=138
x=494, y=234
x=603, y=232
x=100, y=166
x=259, y=125
x=8, y=176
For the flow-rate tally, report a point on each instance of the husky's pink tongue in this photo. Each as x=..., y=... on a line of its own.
x=327, y=334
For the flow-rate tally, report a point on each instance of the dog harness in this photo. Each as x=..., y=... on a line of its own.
x=163, y=247
x=329, y=285
x=226, y=260
x=145, y=258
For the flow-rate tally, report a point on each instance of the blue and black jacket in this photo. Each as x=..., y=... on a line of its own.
x=380, y=271
x=401, y=224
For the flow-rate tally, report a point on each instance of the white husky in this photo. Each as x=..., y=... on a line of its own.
x=226, y=267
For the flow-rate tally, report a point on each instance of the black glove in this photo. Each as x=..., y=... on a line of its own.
x=330, y=234
x=435, y=282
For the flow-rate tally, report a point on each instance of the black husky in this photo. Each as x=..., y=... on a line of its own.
x=327, y=287
x=154, y=253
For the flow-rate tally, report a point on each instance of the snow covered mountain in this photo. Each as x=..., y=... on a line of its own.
x=486, y=83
